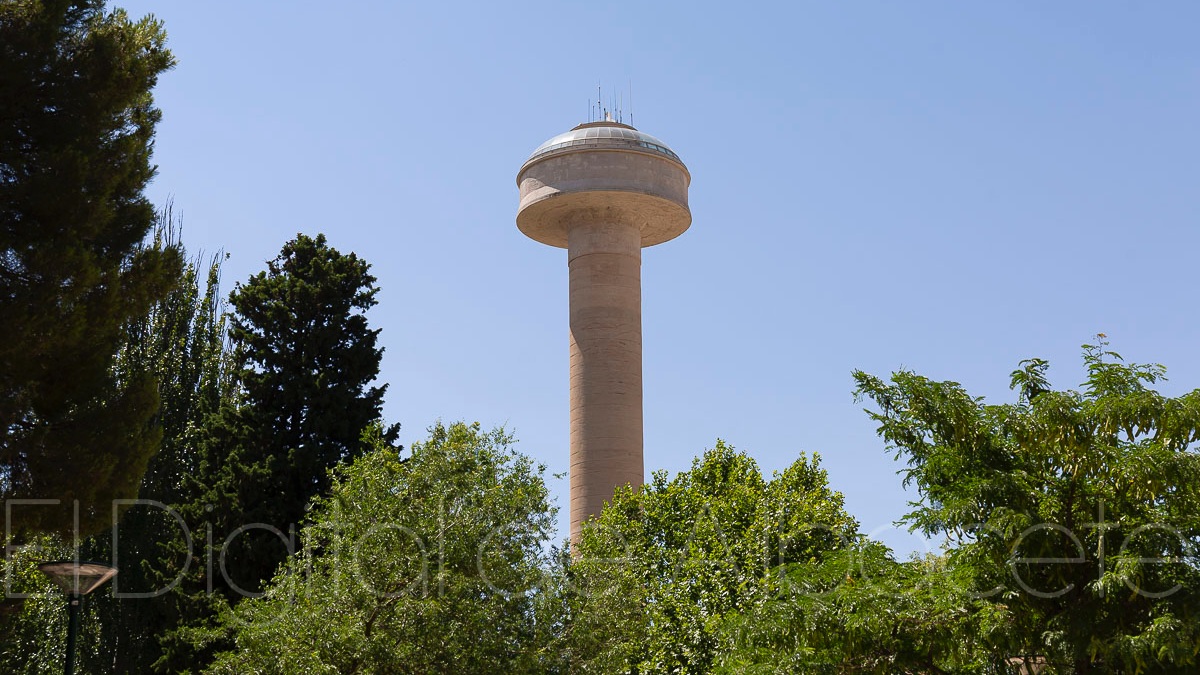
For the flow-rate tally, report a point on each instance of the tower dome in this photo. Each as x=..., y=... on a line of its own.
x=603, y=136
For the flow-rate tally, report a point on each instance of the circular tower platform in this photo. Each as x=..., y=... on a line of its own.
x=608, y=170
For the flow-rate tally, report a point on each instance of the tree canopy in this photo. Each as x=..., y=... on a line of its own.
x=1074, y=512
x=858, y=610
x=661, y=570
x=179, y=342
x=305, y=359
x=429, y=563
x=76, y=132
x=1070, y=520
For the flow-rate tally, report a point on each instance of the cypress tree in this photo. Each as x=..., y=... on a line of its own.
x=306, y=361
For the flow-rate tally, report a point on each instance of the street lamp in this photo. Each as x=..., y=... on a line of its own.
x=76, y=579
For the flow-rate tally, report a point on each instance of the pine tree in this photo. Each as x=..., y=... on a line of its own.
x=180, y=342
x=76, y=132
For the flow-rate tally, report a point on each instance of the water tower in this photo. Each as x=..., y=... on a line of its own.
x=603, y=191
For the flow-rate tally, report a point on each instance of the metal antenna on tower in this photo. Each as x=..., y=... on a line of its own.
x=631, y=101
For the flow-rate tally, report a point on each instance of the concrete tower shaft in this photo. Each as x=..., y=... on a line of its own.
x=603, y=191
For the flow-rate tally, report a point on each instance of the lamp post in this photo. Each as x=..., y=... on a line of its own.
x=76, y=579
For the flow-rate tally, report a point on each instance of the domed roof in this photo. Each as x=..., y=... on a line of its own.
x=604, y=135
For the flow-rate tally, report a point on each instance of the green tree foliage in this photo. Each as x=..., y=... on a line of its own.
x=33, y=638
x=305, y=360
x=1073, y=513
x=662, y=569
x=859, y=611
x=180, y=343
x=427, y=564
x=76, y=130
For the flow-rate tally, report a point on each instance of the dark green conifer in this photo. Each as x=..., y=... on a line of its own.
x=307, y=359
x=76, y=133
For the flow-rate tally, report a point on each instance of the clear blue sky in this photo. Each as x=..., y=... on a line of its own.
x=947, y=186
